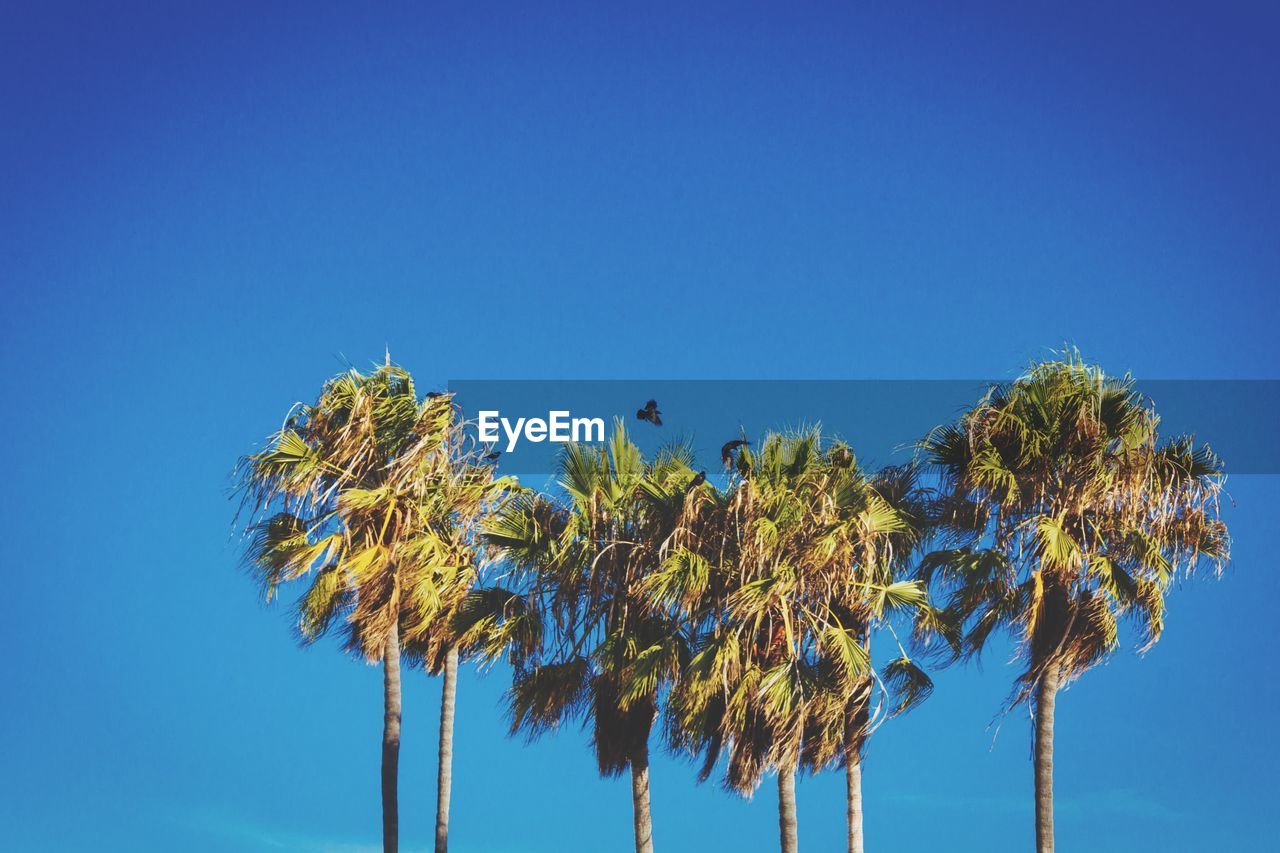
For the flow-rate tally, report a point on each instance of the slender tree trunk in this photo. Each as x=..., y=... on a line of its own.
x=640, y=799
x=853, y=785
x=391, y=741
x=787, y=810
x=1046, y=696
x=855, y=736
x=444, y=777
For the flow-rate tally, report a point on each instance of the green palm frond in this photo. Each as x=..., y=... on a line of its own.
x=683, y=579
x=328, y=596
x=845, y=649
x=908, y=685
x=1055, y=547
x=898, y=595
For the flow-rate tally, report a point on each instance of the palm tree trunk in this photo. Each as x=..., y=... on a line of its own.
x=640, y=799
x=853, y=785
x=444, y=777
x=855, y=734
x=1046, y=695
x=391, y=741
x=787, y=810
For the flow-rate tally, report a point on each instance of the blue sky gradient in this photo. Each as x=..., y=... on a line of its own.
x=208, y=209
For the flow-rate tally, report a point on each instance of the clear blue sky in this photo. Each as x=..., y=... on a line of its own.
x=204, y=210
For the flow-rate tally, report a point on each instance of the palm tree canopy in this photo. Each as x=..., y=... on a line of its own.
x=802, y=570
x=575, y=614
x=372, y=495
x=1065, y=514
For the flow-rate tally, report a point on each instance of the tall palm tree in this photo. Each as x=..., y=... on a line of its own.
x=457, y=493
x=588, y=645
x=801, y=574
x=1066, y=514
x=348, y=495
x=876, y=524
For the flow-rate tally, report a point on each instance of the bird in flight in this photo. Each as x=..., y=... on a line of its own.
x=726, y=450
x=650, y=413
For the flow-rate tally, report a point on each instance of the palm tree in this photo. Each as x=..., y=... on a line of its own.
x=1066, y=514
x=876, y=524
x=801, y=574
x=587, y=643
x=348, y=494
x=457, y=492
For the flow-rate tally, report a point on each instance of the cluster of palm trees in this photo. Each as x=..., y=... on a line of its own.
x=767, y=621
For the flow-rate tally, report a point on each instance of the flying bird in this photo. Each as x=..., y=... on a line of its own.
x=650, y=413
x=726, y=451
